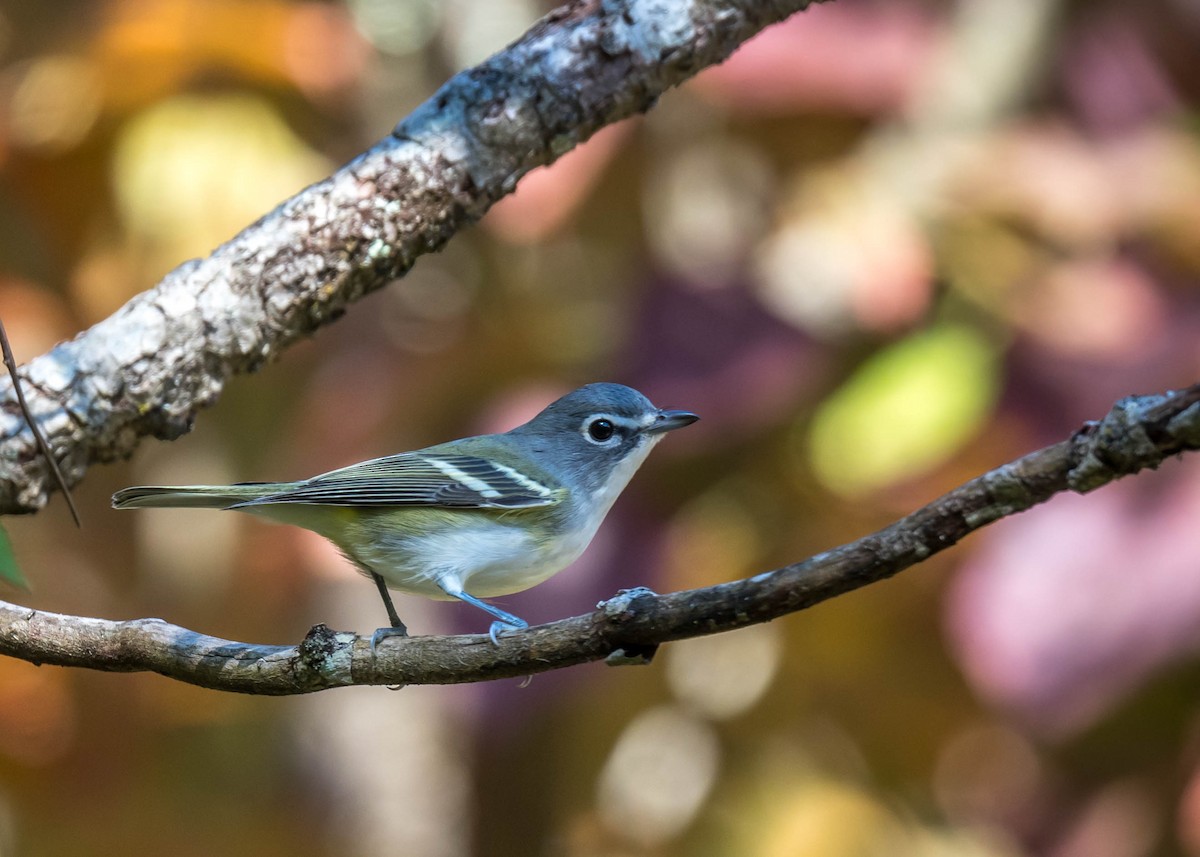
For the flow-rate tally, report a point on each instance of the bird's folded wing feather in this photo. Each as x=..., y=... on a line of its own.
x=419, y=479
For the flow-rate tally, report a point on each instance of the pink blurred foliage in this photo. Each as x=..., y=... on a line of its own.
x=547, y=197
x=894, y=269
x=1058, y=614
x=34, y=318
x=1103, y=309
x=1112, y=77
x=323, y=52
x=1083, y=192
x=859, y=57
x=1055, y=382
x=1050, y=176
x=518, y=405
x=1188, y=820
x=1120, y=820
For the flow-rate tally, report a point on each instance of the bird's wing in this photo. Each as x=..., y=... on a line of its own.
x=419, y=479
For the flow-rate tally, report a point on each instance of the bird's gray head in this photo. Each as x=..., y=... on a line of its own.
x=595, y=428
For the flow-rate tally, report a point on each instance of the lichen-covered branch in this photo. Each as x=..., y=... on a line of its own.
x=1138, y=433
x=149, y=368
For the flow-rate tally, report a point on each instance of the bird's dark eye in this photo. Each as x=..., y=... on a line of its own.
x=600, y=430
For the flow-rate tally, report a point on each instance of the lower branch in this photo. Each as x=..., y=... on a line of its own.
x=1139, y=432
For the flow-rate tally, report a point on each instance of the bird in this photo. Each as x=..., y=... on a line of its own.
x=469, y=519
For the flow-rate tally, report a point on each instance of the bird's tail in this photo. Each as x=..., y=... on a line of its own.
x=193, y=496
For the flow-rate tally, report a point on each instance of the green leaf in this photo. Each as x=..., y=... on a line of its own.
x=9, y=572
x=906, y=410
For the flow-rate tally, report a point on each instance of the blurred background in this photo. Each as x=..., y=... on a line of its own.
x=886, y=247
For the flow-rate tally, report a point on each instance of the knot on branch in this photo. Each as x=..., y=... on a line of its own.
x=620, y=607
x=1136, y=434
x=318, y=651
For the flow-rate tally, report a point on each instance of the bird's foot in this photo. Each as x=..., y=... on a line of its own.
x=511, y=623
x=384, y=633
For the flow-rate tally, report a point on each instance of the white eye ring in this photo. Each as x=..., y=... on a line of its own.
x=599, y=430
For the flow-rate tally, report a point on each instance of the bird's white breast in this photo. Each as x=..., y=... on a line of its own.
x=492, y=553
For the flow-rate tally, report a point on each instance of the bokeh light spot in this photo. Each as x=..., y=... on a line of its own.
x=54, y=104
x=660, y=771
x=907, y=409
x=724, y=675
x=191, y=170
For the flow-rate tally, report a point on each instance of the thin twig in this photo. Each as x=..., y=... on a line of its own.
x=43, y=446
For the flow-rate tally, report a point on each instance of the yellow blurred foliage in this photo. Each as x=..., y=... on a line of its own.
x=905, y=410
x=188, y=173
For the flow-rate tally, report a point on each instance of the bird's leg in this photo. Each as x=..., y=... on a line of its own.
x=393, y=617
x=504, y=621
x=397, y=628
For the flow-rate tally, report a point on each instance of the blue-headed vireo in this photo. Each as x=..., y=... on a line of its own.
x=471, y=518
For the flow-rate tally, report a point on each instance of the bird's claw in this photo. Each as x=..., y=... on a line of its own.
x=384, y=633
x=513, y=624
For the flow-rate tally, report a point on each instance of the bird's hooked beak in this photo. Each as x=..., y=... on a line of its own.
x=669, y=421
